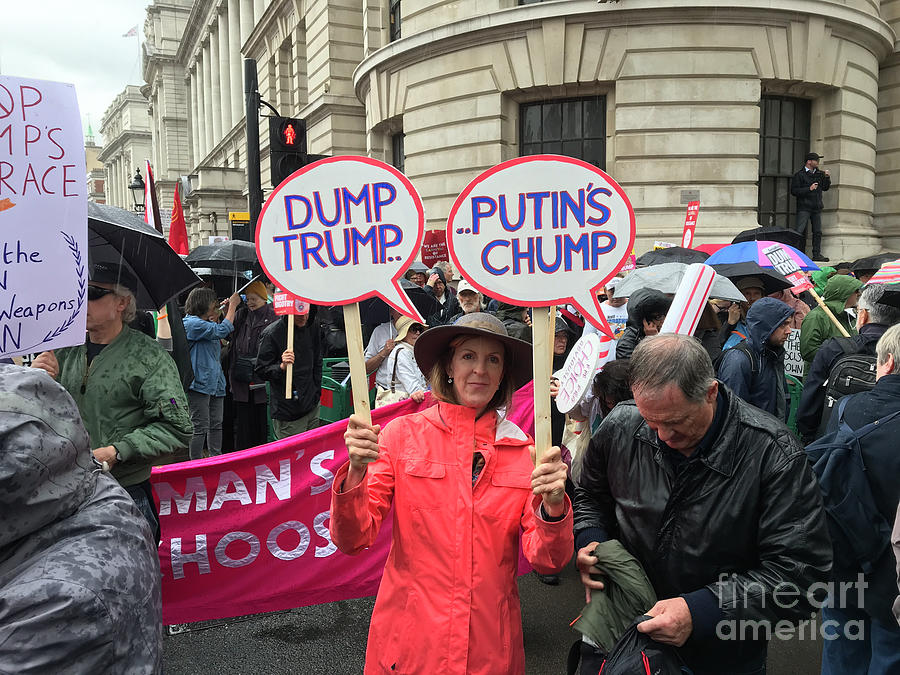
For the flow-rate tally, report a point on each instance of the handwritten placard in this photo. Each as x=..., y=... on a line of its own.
x=793, y=361
x=577, y=374
x=341, y=230
x=43, y=217
x=784, y=263
x=542, y=230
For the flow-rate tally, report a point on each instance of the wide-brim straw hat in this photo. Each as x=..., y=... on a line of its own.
x=403, y=324
x=436, y=341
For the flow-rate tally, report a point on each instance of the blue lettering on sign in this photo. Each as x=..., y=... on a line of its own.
x=478, y=213
x=361, y=199
x=496, y=271
x=504, y=218
x=377, y=199
x=549, y=254
x=289, y=210
x=317, y=198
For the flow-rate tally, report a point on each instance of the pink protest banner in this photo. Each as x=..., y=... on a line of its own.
x=247, y=532
x=288, y=303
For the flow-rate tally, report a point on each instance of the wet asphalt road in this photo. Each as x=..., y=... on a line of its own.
x=331, y=639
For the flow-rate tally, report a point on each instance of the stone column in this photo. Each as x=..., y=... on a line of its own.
x=207, y=102
x=259, y=6
x=234, y=61
x=201, y=110
x=215, y=85
x=246, y=20
x=195, y=118
x=225, y=71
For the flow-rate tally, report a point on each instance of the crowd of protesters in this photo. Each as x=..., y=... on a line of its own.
x=689, y=451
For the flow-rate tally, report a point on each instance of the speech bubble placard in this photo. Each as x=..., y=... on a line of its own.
x=577, y=374
x=542, y=230
x=341, y=230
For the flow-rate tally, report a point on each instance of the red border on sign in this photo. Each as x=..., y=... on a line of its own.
x=540, y=158
x=409, y=309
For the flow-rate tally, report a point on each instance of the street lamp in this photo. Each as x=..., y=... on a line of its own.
x=138, y=194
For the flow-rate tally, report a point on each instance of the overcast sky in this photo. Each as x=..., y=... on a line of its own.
x=79, y=42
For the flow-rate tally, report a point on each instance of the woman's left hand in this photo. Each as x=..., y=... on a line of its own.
x=549, y=481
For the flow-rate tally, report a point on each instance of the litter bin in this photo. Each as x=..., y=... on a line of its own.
x=336, y=402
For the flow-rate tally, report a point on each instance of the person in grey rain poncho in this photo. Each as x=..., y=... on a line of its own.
x=79, y=571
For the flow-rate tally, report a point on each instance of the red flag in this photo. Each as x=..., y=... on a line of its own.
x=178, y=238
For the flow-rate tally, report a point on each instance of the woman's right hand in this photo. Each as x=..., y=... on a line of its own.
x=361, y=440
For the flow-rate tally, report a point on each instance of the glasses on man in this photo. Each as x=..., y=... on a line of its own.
x=97, y=292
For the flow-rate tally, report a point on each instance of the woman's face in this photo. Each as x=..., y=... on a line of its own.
x=254, y=302
x=560, y=342
x=477, y=369
x=413, y=334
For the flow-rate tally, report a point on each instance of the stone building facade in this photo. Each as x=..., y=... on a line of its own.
x=670, y=97
x=96, y=172
x=127, y=144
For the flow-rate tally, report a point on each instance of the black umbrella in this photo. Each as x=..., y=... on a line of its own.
x=872, y=263
x=120, y=237
x=782, y=235
x=374, y=311
x=235, y=255
x=773, y=282
x=891, y=296
x=672, y=254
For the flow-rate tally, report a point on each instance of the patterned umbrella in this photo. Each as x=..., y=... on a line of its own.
x=752, y=251
x=888, y=274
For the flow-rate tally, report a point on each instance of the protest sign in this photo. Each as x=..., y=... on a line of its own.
x=340, y=230
x=434, y=247
x=43, y=217
x=538, y=231
x=788, y=267
x=690, y=300
x=690, y=224
x=247, y=532
x=793, y=362
x=660, y=245
x=630, y=264
x=289, y=304
x=577, y=374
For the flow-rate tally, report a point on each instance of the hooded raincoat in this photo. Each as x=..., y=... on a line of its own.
x=817, y=327
x=766, y=388
x=79, y=571
x=448, y=601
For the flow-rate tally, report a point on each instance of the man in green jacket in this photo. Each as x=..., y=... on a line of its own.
x=841, y=292
x=126, y=387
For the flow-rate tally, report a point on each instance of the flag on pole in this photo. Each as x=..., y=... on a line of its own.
x=132, y=32
x=178, y=238
x=151, y=206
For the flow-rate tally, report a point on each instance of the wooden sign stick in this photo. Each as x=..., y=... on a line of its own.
x=552, y=334
x=289, y=368
x=355, y=349
x=542, y=349
x=829, y=313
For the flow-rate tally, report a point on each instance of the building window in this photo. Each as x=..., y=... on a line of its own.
x=574, y=127
x=398, y=156
x=394, y=18
x=783, y=143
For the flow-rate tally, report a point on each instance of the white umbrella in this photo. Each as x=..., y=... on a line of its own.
x=665, y=278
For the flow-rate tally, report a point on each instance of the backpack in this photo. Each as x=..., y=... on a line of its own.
x=852, y=373
x=637, y=654
x=743, y=347
x=859, y=532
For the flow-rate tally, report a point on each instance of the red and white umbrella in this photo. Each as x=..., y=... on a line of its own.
x=889, y=273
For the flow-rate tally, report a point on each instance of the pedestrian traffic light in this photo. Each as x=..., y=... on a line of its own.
x=287, y=147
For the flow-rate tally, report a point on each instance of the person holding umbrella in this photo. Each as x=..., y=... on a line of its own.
x=126, y=386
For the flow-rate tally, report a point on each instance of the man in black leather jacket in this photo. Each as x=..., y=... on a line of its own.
x=716, y=500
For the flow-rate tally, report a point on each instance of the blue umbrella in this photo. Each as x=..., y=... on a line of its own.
x=752, y=251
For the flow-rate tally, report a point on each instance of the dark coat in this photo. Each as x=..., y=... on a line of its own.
x=248, y=328
x=812, y=401
x=881, y=458
x=765, y=389
x=643, y=304
x=307, y=378
x=738, y=519
x=809, y=200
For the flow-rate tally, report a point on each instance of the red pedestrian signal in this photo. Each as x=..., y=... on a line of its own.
x=290, y=136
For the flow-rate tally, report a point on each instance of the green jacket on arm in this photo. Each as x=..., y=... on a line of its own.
x=131, y=398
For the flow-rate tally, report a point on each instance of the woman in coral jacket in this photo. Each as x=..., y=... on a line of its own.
x=462, y=484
